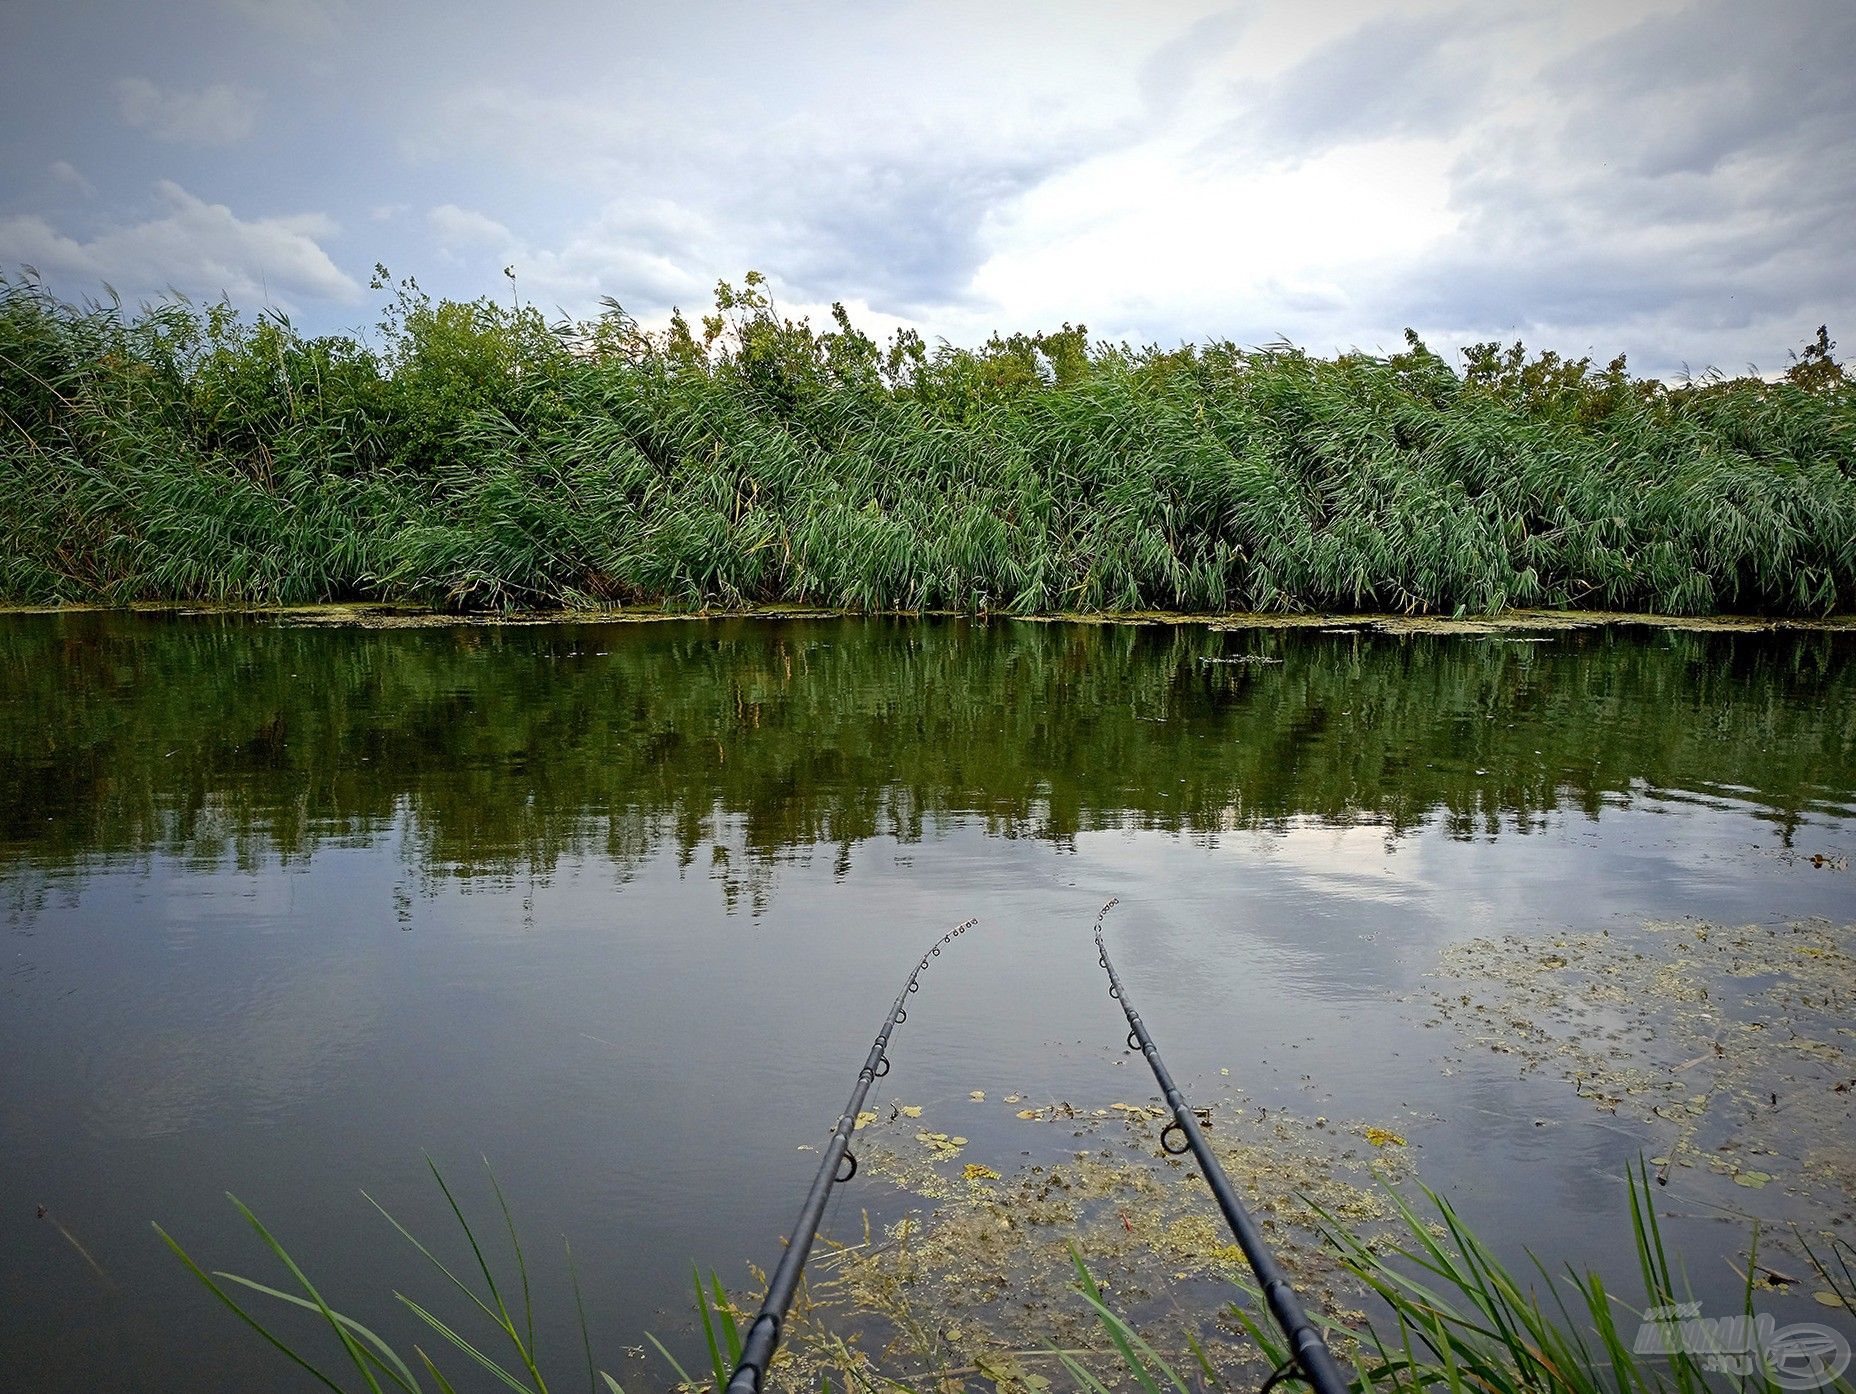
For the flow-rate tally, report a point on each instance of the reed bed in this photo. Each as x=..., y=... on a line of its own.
x=475, y=456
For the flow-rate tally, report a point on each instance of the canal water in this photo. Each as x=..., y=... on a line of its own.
x=289, y=908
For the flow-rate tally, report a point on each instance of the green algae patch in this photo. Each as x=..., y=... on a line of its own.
x=1733, y=1046
x=965, y=1271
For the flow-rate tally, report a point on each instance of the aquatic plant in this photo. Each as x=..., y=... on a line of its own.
x=476, y=457
x=1453, y=1316
x=1461, y=1318
x=1457, y=1317
x=378, y=1365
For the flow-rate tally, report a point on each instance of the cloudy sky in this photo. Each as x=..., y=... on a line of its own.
x=1674, y=178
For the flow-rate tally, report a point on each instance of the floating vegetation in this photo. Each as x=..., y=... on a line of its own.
x=967, y=1268
x=477, y=458
x=1734, y=1043
x=1455, y=1307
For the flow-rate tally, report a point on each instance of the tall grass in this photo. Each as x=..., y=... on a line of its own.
x=475, y=456
x=1454, y=1317
x=1460, y=1318
x=1457, y=1318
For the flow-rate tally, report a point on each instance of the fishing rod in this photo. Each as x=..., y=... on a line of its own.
x=764, y=1335
x=1307, y=1350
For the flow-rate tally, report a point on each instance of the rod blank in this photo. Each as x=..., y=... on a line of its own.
x=1307, y=1349
x=764, y=1335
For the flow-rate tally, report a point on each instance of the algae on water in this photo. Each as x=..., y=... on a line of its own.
x=968, y=1271
x=1735, y=1043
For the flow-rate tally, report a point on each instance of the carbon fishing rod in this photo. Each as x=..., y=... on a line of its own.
x=764, y=1335
x=1309, y=1355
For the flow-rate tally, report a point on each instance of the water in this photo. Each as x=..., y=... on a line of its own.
x=618, y=907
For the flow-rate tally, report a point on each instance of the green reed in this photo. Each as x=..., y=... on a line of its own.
x=1454, y=1316
x=474, y=456
x=1451, y=1315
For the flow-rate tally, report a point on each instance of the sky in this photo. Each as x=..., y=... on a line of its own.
x=1675, y=179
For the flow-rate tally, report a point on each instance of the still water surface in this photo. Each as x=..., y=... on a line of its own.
x=617, y=907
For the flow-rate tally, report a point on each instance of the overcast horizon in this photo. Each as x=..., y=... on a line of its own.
x=1674, y=180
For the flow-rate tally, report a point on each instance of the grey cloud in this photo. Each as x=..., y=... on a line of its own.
x=314, y=20
x=1689, y=191
x=1683, y=189
x=1685, y=93
x=215, y=115
x=899, y=230
x=648, y=255
x=1403, y=75
x=71, y=177
x=1172, y=73
x=836, y=210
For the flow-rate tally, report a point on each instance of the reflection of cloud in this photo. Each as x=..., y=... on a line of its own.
x=1367, y=862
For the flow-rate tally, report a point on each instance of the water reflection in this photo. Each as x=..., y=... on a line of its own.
x=652, y=879
x=502, y=751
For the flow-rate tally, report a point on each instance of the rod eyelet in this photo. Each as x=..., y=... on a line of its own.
x=1184, y=1145
x=882, y=1066
x=914, y=986
x=902, y=1016
x=843, y=1176
x=1134, y=1041
x=1289, y=1369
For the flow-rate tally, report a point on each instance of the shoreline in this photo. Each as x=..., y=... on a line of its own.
x=386, y=615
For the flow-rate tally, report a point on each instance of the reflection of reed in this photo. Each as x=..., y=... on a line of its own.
x=505, y=749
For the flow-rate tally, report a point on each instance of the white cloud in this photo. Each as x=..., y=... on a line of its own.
x=1150, y=240
x=1670, y=177
x=216, y=115
x=199, y=248
x=639, y=253
x=72, y=177
x=460, y=227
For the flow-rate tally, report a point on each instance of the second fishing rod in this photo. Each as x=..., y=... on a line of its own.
x=1309, y=1356
x=764, y=1335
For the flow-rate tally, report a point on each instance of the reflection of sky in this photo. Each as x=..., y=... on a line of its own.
x=642, y=1038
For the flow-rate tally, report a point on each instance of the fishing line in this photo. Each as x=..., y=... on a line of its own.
x=1309, y=1356
x=764, y=1335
